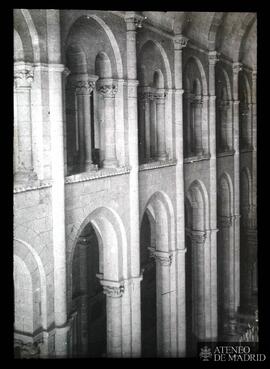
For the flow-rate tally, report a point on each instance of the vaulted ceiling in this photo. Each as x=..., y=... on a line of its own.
x=231, y=33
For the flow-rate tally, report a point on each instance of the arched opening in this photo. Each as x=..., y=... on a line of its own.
x=88, y=299
x=225, y=259
x=154, y=77
x=223, y=111
x=198, y=298
x=245, y=113
x=148, y=291
x=195, y=143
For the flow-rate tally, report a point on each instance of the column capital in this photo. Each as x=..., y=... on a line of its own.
x=106, y=88
x=180, y=42
x=84, y=87
x=163, y=257
x=237, y=67
x=23, y=75
x=133, y=20
x=198, y=237
x=66, y=72
x=225, y=221
x=144, y=96
x=254, y=73
x=112, y=288
x=213, y=57
x=160, y=95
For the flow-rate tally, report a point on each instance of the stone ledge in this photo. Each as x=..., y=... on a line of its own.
x=30, y=187
x=103, y=173
x=157, y=165
x=192, y=159
x=225, y=153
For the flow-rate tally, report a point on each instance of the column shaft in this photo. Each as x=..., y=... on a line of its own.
x=179, y=43
x=160, y=111
x=108, y=90
x=58, y=181
x=153, y=139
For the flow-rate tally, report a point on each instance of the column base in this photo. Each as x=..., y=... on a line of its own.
x=25, y=177
x=89, y=167
x=61, y=342
x=162, y=156
x=110, y=163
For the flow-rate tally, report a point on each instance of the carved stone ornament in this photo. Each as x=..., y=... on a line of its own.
x=133, y=21
x=237, y=67
x=144, y=96
x=164, y=258
x=225, y=221
x=198, y=238
x=213, y=57
x=84, y=87
x=23, y=77
x=180, y=42
x=107, y=90
x=114, y=291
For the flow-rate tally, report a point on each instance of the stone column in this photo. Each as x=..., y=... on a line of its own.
x=160, y=117
x=153, y=127
x=84, y=89
x=163, y=263
x=254, y=147
x=83, y=244
x=58, y=181
x=224, y=141
x=212, y=59
x=180, y=42
x=108, y=89
x=23, y=155
x=237, y=67
x=145, y=101
x=228, y=273
x=197, y=124
x=198, y=277
x=114, y=291
x=133, y=21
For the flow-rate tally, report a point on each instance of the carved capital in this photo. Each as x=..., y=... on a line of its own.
x=23, y=75
x=237, y=67
x=113, y=291
x=144, y=96
x=198, y=238
x=164, y=258
x=134, y=21
x=160, y=96
x=112, y=288
x=223, y=104
x=107, y=90
x=213, y=57
x=225, y=221
x=84, y=87
x=180, y=42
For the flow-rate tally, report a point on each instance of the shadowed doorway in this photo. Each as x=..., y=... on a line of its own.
x=148, y=292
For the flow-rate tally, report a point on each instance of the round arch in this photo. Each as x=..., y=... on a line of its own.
x=22, y=249
x=161, y=209
x=225, y=178
x=164, y=57
x=111, y=37
x=201, y=70
x=197, y=191
x=33, y=34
